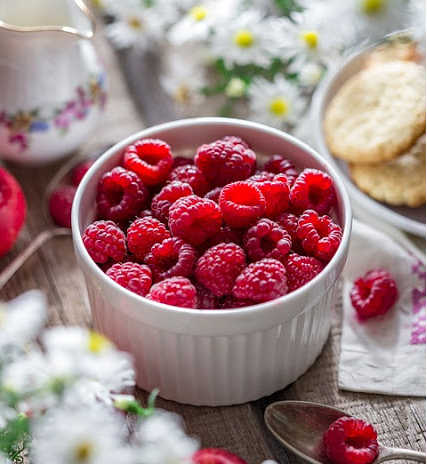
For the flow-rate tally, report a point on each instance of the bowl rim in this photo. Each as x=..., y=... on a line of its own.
x=317, y=111
x=339, y=256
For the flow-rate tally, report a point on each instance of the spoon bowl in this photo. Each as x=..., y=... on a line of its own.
x=300, y=426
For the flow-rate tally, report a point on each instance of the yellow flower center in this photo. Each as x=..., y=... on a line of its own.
x=198, y=13
x=97, y=342
x=279, y=107
x=182, y=94
x=310, y=38
x=83, y=451
x=135, y=23
x=371, y=7
x=244, y=38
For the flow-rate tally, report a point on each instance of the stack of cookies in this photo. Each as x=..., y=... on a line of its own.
x=376, y=122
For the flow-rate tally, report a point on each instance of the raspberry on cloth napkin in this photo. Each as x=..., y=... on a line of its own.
x=384, y=354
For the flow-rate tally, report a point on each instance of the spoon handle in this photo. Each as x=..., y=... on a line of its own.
x=388, y=454
x=20, y=259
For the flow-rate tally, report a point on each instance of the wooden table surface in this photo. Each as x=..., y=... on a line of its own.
x=400, y=421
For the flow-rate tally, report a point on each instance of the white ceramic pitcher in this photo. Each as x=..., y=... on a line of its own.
x=52, y=84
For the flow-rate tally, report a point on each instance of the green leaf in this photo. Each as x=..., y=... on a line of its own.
x=286, y=7
x=14, y=436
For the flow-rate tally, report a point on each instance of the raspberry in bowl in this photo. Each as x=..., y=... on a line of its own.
x=195, y=285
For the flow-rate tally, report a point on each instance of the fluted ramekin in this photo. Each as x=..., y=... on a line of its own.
x=214, y=357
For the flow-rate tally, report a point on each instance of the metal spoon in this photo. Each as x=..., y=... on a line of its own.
x=300, y=425
x=52, y=231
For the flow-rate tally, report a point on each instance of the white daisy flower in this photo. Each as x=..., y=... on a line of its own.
x=249, y=39
x=184, y=74
x=4, y=460
x=309, y=73
x=200, y=19
x=93, y=356
x=135, y=25
x=6, y=414
x=276, y=103
x=80, y=436
x=21, y=320
x=162, y=439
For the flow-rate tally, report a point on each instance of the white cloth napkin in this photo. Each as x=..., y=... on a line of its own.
x=385, y=354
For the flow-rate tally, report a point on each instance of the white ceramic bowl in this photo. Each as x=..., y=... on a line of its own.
x=214, y=357
x=408, y=219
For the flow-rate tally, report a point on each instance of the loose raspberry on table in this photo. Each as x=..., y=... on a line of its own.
x=170, y=258
x=176, y=291
x=151, y=159
x=223, y=162
x=161, y=202
x=182, y=161
x=214, y=194
x=216, y=456
x=319, y=235
x=191, y=175
x=133, y=276
x=313, y=189
x=234, y=140
x=60, y=204
x=194, y=219
x=280, y=165
x=289, y=222
x=104, y=241
x=350, y=441
x=143, y=233
x=241, y=203
x=261, y=281
x=276, y=194
x=226, y=235
x=266, y=239
x=219, y=267
x=301, y=269
x=205, y=298
x=374, y=293
x=121, y=195
x=79, y=171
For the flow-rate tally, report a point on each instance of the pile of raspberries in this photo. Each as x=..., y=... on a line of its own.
x=218, y=232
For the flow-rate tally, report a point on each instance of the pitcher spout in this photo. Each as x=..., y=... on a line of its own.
x=71, y=17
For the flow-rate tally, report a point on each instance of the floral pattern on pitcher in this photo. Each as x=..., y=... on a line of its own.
x=22, y=123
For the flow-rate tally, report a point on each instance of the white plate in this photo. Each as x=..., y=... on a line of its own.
x=408, y=219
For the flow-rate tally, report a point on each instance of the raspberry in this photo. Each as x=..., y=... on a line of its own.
x=151, y=159
x=261, y=281
x=374, y=293
x=145, y=213
x=205, y=298
x=133, y=276
x=234, y=140
x=121, y=195
x=79, y=171
x=13, y=210
x=104, y=240
x=350, y=441
x=276, y=194
x=176, y=291
x=301, y=269
x=313, y=189
x=171, y=258
x=219, y=267
x=223, y=162
x=230, y=302
x=289, y=222
x=241, y=203
x=60, y=204
x=143, y=233
x=216, y=456
x=194, y=219
x=225, y=235
x=181, y=161
x=191, y=175
x=214, y=194
x=262, y=176
x=169, y=194
x=266, y=239
x=319, y=235
x=279, y=165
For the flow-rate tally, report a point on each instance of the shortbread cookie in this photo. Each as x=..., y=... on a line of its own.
x=396, y=50
x=401, y=181
x=377, y=114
